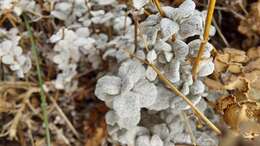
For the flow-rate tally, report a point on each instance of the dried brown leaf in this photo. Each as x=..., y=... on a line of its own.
x=253, y=65
x=240, y=84
x=235, y=68
x=236, y=55
x=241, y=116
x=253, y=53
x=213, y=84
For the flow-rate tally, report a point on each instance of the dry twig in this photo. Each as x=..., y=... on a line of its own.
x=205, y=38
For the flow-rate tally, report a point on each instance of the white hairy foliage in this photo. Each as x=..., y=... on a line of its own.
x=11, y=53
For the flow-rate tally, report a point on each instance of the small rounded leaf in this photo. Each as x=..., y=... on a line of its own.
x=133, y=70
x=129, y=122
x=150, y=74
x=180, y=49
x=162, y=46
x=197, y=88
x=138, y=4
x=107, y=85
x=156, y=141
x=162, y=101
x=146, y=92
x=151, y=56
x=168, y=28
x=191, y=26
x=162, y=130
x=126, y=105
x=143, y=140
x=111, y=117
x=206, y=67
x=8, y=59
x=194, y=48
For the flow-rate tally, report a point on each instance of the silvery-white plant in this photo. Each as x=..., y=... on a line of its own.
x=79, y=38
x=134, y=94
x=18, y=7
x=69, y=46
x=11, y=53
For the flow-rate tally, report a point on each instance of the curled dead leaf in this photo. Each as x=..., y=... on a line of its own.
x=236, y=55
x=253, y=53
x=253, y=65
x=235, y=68
x=213, y=84
x=240, y=84
x=224, y=102
x=241, y=116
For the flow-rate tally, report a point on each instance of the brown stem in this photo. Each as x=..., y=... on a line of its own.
x=158, y=6
x=205, y=38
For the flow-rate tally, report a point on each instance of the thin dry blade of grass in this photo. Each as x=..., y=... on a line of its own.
x=64, y=117
x=158, y=6
x=188, y=126
x=40, y=82
x=205, y=38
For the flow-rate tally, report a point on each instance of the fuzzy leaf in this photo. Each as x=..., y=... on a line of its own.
x=191, y=27
x=139, y=3
x=150, y=74
x=197, y=88
x=146, y=92
x=129, y=122
x=194, y=46
x=156, y=141
x=180, y=49
x=151, y=56
x=133, y=70
x=162, y=130
x=162, y=46
x=107, y=85
x=168, y=28
x=126, y=105
x=111, y=117
x=162, y=101
x=206, y=67
x=172, y=71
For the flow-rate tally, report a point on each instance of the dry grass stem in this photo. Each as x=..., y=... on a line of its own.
x=64, y=117
x=187, y=123
x=158, y=6
x=205, y=38
x=220, y=33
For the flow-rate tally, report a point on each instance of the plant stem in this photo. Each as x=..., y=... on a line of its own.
x=205, y=38
x=188, y=126
x=158, y=6
x=40, y=82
